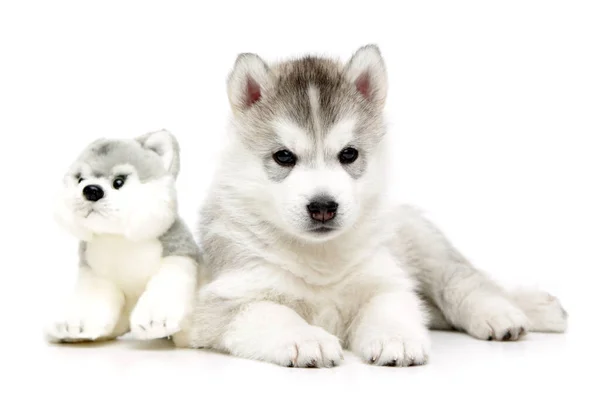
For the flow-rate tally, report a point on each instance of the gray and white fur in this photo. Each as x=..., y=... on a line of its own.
x=139, y=265
x=307, y=256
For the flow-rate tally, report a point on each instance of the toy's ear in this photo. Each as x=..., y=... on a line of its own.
x=366, y=69
x=66, y=219
x=249, y=81
x=165, y=144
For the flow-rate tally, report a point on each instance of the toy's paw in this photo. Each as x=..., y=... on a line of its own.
x=82, y=322
x=309, y=347
x=495, y=318
x=395, y=350
x=157, y=315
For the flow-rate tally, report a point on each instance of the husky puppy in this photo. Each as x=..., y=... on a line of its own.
x=307, y=257
x=138, y=262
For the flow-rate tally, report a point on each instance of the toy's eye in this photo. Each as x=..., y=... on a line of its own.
x=119, y=182
x=285, y=158
x=348, y=155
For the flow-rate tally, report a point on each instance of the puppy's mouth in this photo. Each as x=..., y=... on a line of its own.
x=322, y=230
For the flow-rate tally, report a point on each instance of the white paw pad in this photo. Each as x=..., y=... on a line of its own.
x=312, y=347
x=157, y=316
x=82, y=325
x=497, y=319
x=395, y=352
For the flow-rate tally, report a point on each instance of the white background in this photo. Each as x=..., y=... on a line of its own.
x=495, y=111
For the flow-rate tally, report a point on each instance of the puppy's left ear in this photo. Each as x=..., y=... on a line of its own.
x=165, y=144
x=366, y=70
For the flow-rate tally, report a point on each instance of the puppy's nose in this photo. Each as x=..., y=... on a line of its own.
x=322, y=209
x=93, y=192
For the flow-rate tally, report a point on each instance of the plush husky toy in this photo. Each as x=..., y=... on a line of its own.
x=139, y=265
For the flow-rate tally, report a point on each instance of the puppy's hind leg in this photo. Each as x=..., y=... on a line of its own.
x=544, y=311
x=468, y=299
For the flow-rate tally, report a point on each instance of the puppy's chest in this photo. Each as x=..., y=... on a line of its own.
x=129, y=265
x=315, y=268
x=331, y=306
x=329, y=309
x=334, y=305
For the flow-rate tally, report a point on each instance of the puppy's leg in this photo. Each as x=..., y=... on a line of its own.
x=468, y=299
x=260, y=330
x=167, y=300
x=473, y=303
x=390, y=328
x=273, y=332
x=92, y=312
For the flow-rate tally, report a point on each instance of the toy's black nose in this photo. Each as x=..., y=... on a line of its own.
x=322, y=209
x=93, y=192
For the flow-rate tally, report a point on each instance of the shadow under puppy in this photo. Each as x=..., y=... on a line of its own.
x=139, y=265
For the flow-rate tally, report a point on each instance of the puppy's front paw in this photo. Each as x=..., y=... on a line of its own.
x=157, y=315
x=83, y=321
x=395, y=350
x=307, y=347
x=495, y=318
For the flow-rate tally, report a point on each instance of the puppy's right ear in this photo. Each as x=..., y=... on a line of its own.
x=249, y=81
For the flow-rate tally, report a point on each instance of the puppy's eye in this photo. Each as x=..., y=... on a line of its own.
x=285, y=158
x=79, y=180
x=348, y=155
x=119, y=182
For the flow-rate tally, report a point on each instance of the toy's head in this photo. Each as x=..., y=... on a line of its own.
x=122, y=187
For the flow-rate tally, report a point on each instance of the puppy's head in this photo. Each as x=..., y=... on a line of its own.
x=121, y=187
x=313, y=127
